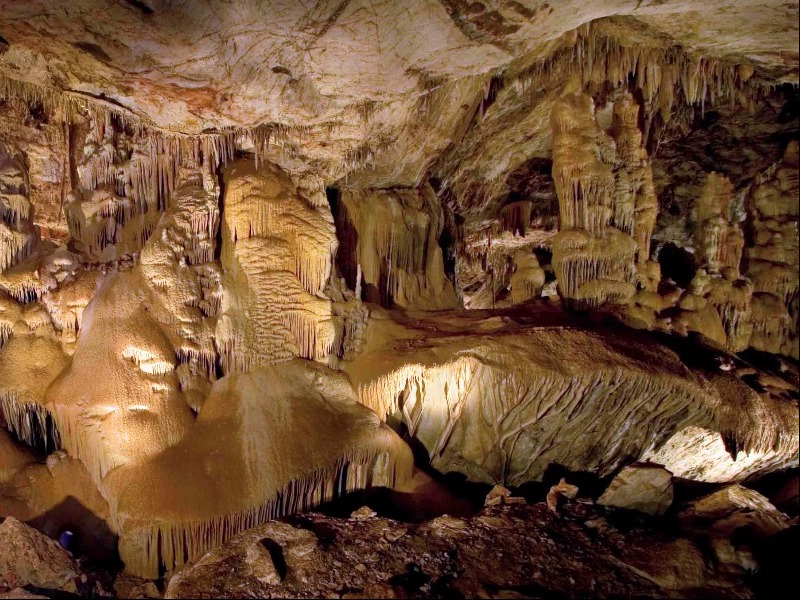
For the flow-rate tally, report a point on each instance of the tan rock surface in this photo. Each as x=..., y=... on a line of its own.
x=219, y=223
x=499, y=406
x=643, y=487
x=28, y=557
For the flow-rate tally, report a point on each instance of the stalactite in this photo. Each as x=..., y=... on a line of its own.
x=516, y=217
x=169, y=544
x=30, y=423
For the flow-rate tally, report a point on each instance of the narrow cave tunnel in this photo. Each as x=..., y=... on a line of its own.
x=473, y=299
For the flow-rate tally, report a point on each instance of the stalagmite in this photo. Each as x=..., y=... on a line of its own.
x=593, y=254
x=246, y=476
x=719, y=239
x=136, y=322
x=635, y=203
x=772, y=261
x=528, y=278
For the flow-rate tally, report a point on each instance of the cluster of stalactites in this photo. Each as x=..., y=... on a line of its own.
x=18, y=235
x=665, y=73
x=152, y=173
x=29, y=422
x=126, y=178
x=516, y=217
x=392, y=235
x=662, y=73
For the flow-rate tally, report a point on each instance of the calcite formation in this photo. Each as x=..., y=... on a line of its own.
x=772, y=261
x=506, y=403
x=17, y=236
x=276, y=254
x=251, y=254
x=392, y=237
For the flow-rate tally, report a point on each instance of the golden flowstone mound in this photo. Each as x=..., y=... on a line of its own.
x=261, y=447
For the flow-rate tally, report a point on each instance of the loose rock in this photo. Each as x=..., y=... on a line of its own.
x=28, y=557
x=643, y=487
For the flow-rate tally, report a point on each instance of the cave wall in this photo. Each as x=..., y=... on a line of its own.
x=193, y=281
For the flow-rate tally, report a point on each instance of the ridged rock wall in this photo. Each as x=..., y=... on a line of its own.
x=503, y=404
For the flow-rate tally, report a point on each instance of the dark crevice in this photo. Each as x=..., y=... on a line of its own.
x=346, y=255
x=33, y=426
x=276, y=554
x=94, y=50
x=676, y=264
x=219, y=372
x=281, y=70
x=140, y=6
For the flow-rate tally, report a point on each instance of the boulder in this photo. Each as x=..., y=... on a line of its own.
x=735, y=520
x=28, y=557
x=365, y=512
x=265, y=555
x=733, y=508
x=643, y=487
x=501, y=495
x=21, y=593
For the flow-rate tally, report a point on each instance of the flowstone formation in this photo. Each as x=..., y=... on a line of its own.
x=276, y=255
x=517, y=396
x=254, y=254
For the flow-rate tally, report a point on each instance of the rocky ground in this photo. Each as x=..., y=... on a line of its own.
x=729, y=543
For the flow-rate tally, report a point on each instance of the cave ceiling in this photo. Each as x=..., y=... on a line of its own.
x=374, y=93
